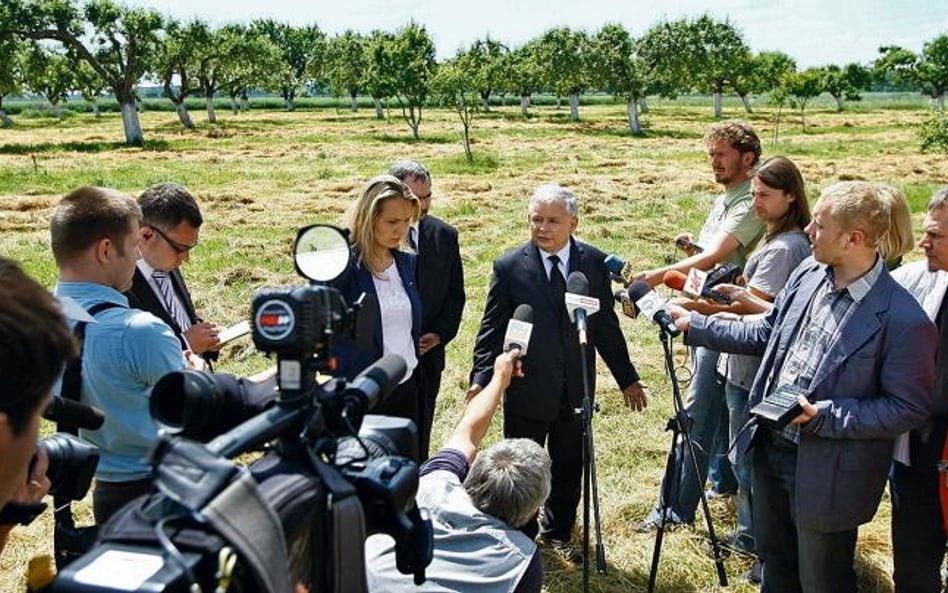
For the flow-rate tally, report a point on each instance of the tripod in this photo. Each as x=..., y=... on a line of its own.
x=589, y=471
x=680, y=425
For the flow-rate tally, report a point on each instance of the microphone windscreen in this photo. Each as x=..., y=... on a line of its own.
x=577, y=283
x=524, y=313
x=638, y=289
x=675, y=280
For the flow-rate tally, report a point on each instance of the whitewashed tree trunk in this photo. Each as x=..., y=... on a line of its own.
x=379, y=111
x=634, y=125
x=643, y=104
x=5, y=119
x=747, y=104
x=486, y=103
x=839, y=103
x=211, y=115
x=96, y=110
x=524, y=105
x=940, y=102
x=574, y=107
x=234, y=108
x=559, y=102
x=183, y=116
x=717, y=104
x=131, y=123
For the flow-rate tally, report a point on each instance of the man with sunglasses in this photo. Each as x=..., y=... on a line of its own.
x=171, y=223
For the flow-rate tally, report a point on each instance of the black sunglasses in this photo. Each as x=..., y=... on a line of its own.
x=178, y=247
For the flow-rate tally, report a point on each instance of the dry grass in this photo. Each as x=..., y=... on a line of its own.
x=261, y=175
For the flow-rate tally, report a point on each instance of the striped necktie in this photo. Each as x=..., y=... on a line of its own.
x=172, y=305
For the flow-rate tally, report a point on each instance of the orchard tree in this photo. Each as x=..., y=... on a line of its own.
x=11, y=75
x=414, y=66
x=380, y=71
x=455, y=86
x=345, y=65
x=522, y=74
x=301, y=49
x=803, y=86
x=484, y=63
x=49, y=73
x=717, y=56
x=116, y=41
x=927, y=71
x=618, y=67
x=762, y=74
x=563, y=54
x=90, y=86
x=177, y=61
x=845, y=83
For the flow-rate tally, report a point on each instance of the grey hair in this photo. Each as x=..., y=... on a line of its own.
x=510, y=480
x=552, y=193
x=939, y=199
x=410, y=169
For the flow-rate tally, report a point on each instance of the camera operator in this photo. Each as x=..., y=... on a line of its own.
x=34, y=344
x=476, y=506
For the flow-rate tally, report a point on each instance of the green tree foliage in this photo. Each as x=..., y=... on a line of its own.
x=380, y=69
x=522, y=73
x=484, y=63
x=346, y=65
x=176, y=62
x=761, y=74
x=90, y=86
x=413, y=67
x=933, y=133
x=456, y=87
x=845, y=83
x=116, y=41
x=49, y=73
x=563, y=53
x=302, y=50
x=803, y=86
x=716, y=55
x=927, y=71
x=11, y=74
x=618, y=67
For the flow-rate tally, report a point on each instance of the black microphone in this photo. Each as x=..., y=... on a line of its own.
x=72, y=413
x=373, y=384
x=619, y=270
x=677, y=281
x=628, y=307
x=690, y=246
x=723, y=274
x=652, y=306
x=519, y=329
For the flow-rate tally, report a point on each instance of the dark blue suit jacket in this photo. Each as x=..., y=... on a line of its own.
x=874, y=383
x=366, y=348
x=553, y=355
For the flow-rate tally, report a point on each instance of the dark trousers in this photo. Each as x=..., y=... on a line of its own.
x=795, y=559
x=918, y=534
x=403, y=402
x=431, y=368
x=564, y=439
x=109, y=497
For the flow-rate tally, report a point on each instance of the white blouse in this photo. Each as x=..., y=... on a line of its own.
x=395, y=310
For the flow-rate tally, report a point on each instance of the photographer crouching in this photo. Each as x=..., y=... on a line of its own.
x=477, y=503
x=34, y=345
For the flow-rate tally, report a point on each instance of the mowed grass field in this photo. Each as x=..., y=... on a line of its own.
x=261, y=175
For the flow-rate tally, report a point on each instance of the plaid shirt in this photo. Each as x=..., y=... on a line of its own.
x=825, y=320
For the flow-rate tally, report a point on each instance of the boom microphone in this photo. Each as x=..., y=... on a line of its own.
x=677, y=281
x=73, y=413
x=519, y=329
x=619, y=270
x=652, y=306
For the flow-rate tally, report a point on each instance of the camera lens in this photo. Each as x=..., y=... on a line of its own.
x=184, y=403
x=72, y=465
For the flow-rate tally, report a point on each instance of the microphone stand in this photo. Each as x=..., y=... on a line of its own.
x=680, y=425
x=589, y=471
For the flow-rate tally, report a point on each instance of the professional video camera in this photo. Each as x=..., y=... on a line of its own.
x=296, y=518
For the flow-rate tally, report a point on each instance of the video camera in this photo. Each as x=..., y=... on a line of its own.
x=296, y=518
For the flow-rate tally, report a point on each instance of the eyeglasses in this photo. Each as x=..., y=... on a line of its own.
x=179, y=248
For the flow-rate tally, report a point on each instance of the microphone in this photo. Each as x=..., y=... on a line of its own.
x=519, y=329
x=73, y=413
x=723, y=274
x=694, y=286
x=652, y=306
x=373, y=385
x=686, y=245
x=619, y=270
x=578, y=304
x=628, y=307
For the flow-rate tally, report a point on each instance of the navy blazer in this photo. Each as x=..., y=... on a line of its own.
x=441, y=283
x=355, y=355
x=874, y=383
x=553, y=354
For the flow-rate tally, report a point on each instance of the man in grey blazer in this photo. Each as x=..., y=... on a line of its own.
x=838, y=334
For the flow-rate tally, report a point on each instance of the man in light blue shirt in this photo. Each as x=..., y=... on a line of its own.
x=94, y=232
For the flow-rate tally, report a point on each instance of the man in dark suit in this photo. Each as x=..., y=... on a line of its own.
x=918, y=536
x=837, y=336
x=171, y=223
x=441, y=282
x=541, y=405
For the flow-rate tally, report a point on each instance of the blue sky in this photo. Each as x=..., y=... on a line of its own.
x=814, y=32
